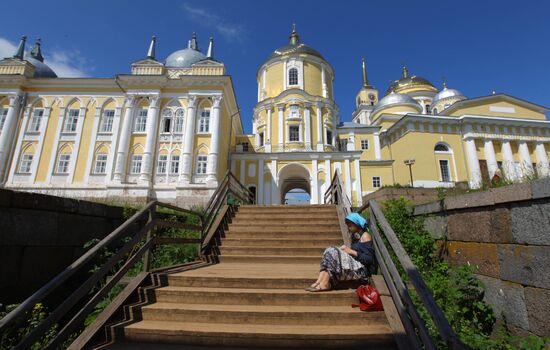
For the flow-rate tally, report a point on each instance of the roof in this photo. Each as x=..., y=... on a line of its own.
x=526, y=104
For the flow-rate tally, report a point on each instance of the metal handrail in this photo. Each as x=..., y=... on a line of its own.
x=139, y=246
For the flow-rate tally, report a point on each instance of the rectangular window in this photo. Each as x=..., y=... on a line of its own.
x=135, y=167
x=100, y=166
x=204, y=121
x=364, y=144
x=261, y=139
x=178, y=123
x=25, y=164
x=63, y=164
x=107, y=120
x=445, y=173
x=174, y=164
x=71, y=120
x=329, y=137
x=245, y=146
x=376, y=182
x=293, y=76
x=3, y=115
x=141, y=120
x=36, y=118
x=201, y=164
x=344, y=145
x=294, y=133
x=161, y=165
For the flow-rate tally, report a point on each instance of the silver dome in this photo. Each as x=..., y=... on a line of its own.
x=184, y=58
x=395, y=99
x=447, y=93
x=41, y=70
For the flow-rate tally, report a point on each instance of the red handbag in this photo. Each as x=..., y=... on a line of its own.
x=369, y=299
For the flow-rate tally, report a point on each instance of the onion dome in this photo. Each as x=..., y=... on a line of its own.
x=41, y=70
x=295, y=47
x=185, y=58
x=396, y=99
x=408, y=81
x=447, y=93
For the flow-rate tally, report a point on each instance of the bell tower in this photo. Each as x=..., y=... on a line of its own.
x=365, y=100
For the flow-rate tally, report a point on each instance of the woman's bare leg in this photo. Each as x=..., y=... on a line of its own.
x=324, y=280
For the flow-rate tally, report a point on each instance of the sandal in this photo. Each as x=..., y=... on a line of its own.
x=316, y=290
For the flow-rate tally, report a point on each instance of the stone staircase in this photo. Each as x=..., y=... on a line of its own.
x=255, y=296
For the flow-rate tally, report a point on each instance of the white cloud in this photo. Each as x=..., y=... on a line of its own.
x=230, y=31
x=66, y=64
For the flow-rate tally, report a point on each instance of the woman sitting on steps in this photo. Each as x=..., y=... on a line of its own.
x=345, y=263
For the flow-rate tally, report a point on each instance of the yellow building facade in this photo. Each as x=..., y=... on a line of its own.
x=170, y=130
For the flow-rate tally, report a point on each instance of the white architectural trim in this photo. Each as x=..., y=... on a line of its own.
x=17, y=151
x=53, y=153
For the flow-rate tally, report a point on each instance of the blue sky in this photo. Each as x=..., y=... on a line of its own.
x=476, y=45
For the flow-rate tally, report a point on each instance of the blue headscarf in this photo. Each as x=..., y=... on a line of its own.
x=358, y=220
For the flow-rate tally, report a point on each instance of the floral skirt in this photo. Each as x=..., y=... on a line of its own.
x=341, y=266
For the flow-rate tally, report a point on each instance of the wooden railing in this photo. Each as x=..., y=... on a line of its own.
x=417, y=333
x=129, y=244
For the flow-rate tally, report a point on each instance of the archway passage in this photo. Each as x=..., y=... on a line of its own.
x=297, y=196
x=294, y=184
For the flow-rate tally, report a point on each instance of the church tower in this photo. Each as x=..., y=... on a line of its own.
x=365, y=100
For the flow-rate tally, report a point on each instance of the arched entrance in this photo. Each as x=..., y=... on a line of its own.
x=294, y=184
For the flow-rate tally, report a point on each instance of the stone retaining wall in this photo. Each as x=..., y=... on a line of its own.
x=415, y=195
x=40, y=235
x=505, y=232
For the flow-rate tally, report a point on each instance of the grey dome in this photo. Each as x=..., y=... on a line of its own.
x=448, y=93
x=41, y=70
x=184, y=58
x=295, y=47
x=395, y=99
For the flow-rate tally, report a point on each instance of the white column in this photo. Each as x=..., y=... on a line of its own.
x=324, y=81
x=377, y=153
x=328, y=178
x=491, y=158
x=260, y=190
x=307, y=124
x=351, y=142
x=267, y=137
x=114, y=136
x=509, y=164
x=348, y=178
x=320, y=134
x=17, y=151
x=525, y=157
x=543, y=167
x=358, y=187
x=212, y=165
x=76, y=147
x=188, y=139
x=275, y=193
x=314, y=182
x=7, y=133
x=281, y=127
x=124, y=142
x=151, y=140
x=242, y=174
x=473, y=164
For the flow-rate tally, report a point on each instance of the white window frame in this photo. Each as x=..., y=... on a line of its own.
x=25, y=164
x=136, y=164
x=63, y=164
x=71, y=120
x=179, y=119
x=364, y=144
x=204, y=121
x=36, y=120
x=376, y=182
x=107, y=118
x=140, y=121
x=167, y=117
x=448, y=169
x=290, y=77
x=294, y=111
x=162, y=164
x=202, y=161
x=174, y=164
x=3, y=116
x=100, y=164
x=290, y=133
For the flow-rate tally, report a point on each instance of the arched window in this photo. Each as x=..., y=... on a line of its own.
x=434, y=111
x=293, y=76
x=107, y=120
x=178, y=121
x=166, y=121
x=441, y=148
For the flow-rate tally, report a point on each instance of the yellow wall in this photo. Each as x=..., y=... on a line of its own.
x=483, y=108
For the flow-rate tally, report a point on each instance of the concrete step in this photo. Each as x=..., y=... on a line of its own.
x=270, y=259
x=230, y=241
x=267, y=250
x=286, y=224
x=285, y=228
x=271, y=217
x=254, y=296
x=260, y=314
x=239, y=282
x=263, y=234
x=260, y=335
x=286, y=209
